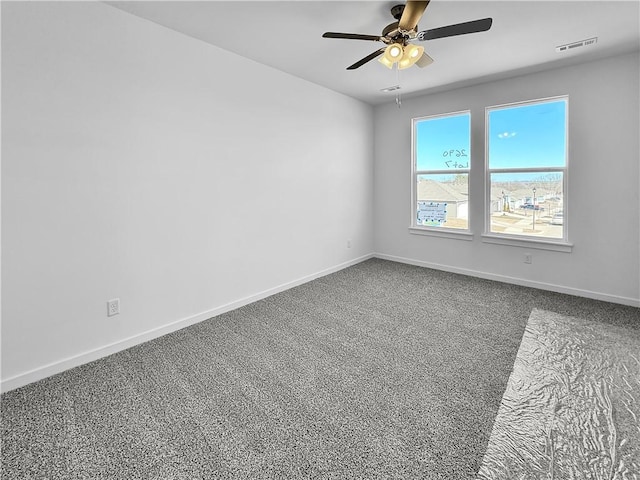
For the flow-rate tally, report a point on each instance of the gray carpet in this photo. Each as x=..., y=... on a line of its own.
x=381, y=370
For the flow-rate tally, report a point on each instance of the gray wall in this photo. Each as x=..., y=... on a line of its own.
x=143, y=164
x=603, y=213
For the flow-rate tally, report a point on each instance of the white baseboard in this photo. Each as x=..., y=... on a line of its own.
x=91, y=355
x=633, y=302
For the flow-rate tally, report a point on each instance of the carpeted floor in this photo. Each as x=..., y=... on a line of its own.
x=381, y=370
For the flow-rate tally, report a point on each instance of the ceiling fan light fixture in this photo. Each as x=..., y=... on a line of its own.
x=392, y=54
x=394, y=51
x=383, y=60
x=412, y=54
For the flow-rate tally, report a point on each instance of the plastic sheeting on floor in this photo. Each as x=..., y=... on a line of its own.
x=571, y=409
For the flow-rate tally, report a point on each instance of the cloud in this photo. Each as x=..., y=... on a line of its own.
x=506, y=134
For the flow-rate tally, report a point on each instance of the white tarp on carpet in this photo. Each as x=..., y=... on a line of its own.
x=571, y=409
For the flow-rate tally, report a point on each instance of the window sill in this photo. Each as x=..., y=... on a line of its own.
x=448, y=233
x=528, y=243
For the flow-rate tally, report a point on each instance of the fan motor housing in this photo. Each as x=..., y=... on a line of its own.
x=389, y=28
x=396, y=11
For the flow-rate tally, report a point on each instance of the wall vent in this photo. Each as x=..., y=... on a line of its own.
x=581, y=43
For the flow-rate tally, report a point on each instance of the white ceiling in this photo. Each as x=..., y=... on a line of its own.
x=287, y=35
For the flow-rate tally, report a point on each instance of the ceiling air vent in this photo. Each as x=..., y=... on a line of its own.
x=581, y=43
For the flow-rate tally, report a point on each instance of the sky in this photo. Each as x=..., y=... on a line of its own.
x=524, y=136
x=528, y=136
x=443, y=143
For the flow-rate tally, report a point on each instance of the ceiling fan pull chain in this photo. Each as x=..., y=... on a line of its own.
x=398, y=94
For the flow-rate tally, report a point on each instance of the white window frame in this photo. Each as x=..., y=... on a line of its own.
x=447, y=232
x=530, y=241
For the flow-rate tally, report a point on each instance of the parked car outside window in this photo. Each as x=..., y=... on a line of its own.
x=557, y=219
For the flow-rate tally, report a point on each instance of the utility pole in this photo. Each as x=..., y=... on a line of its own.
x=534, y=209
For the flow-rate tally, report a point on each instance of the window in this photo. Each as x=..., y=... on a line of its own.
x=527, y=169
x=441, y=160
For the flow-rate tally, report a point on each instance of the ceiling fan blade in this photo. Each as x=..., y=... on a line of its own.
x=351, y=36
x=457, y=29
x=366, y=59
x=412, y=14
x=424, y=61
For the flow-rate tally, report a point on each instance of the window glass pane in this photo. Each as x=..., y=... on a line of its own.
x=443, y=201
x=443, y=143
x=528, y=136
x=527, y=204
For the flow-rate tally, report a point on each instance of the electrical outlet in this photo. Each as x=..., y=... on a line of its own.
x=348, y=243
x=113, y=307
x=528, y=258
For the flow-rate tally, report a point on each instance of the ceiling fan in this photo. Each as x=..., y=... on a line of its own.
x=398, y=35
